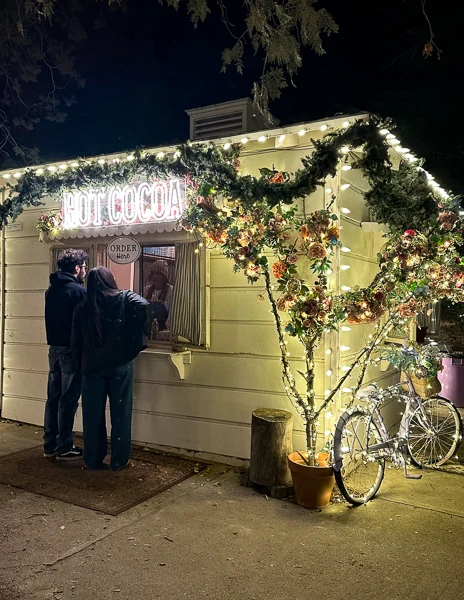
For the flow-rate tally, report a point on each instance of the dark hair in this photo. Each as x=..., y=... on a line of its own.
x=69, y=259
x=101, y=284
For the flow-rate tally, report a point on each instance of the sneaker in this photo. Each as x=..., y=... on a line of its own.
x=49, y=454
x=74, y=454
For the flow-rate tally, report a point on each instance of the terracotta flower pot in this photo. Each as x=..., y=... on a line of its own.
x=313, y=485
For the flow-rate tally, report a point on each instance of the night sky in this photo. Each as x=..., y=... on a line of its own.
x=147, y=66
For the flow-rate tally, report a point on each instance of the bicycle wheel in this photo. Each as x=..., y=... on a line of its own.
x=435, y=438
x=358, y=472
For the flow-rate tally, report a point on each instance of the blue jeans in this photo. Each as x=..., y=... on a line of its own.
x=64, y=389
x=117, y=385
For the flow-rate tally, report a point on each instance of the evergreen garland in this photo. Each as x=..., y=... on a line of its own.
x=398, y=198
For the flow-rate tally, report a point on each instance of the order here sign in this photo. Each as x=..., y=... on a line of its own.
x=124, y=250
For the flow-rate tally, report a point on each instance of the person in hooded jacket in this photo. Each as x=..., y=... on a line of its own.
x=109, y=330
x=66, y=291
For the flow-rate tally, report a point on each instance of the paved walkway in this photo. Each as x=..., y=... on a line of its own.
x=210, y=538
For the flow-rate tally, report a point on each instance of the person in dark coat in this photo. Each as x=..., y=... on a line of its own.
x=66, y=291
x=109, y=330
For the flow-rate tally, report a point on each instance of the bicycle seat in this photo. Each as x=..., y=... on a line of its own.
x=366, y=392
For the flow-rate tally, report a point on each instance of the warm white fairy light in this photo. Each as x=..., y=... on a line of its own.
x=345, y=186
x=329, y=372
x=345, y=328
x=324, y=127
x=6, y=176
x=345, y=267
x=244, y=140
x=327, y=392
x=390, y=136
x=130, y=157
x=302, y=132
x=329, y=271
x=17, y=175
x=282, y=137
x=39, y=172
x=346, y=249
x=328, y=190
x=384, y=132
x=328, y=351
x=76, y=164
x=347, y=168
x=262, y=138
x=346, y=368
x=227, y=145
x=345, y=150
x=346, y=390
x=160, y=155
x=52, y=169
x=345, y=124
x=177, y=154
x=344, y=348
x=345, y=288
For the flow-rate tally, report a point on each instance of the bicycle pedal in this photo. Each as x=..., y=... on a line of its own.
x=409, y=476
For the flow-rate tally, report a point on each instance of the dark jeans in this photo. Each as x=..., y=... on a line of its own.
x=64, y=389
x=117, y=385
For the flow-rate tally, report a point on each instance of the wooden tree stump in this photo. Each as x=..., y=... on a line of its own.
x=271, y=443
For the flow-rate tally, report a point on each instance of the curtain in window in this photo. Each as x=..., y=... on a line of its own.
x=186, y=307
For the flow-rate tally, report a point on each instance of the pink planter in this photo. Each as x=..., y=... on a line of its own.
x=452, y=380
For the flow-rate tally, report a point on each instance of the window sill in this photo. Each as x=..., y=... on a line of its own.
x=177, y=359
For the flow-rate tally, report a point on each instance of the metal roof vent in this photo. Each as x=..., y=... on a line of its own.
x=228, y=118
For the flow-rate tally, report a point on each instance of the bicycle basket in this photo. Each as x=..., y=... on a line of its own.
x=425, y=387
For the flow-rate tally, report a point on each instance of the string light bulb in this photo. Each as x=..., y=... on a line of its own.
x=345, y=211
x=302, y=132
x=345, y=186
x=282, y=137
x=262, y=138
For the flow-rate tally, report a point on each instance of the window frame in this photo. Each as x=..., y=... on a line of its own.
x=93, y=247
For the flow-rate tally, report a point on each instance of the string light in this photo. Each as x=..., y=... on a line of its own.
x=130, y=157
x=346, y=167
x=345, y=288
x=282, y=137
x=6, y=176
x=345, y=328
x=324, y=127
x=345, y=186
x=329, y=372
x=345, y=267
x=345, y=124
x=328, y=190
x=328, y=351
x=17, y=175
x=160, y=155
x=52, y=169
x=302, y=132
x=344, y=348
x=262, y=138
x=346, y=249
x=244, y=140
x=100, y=162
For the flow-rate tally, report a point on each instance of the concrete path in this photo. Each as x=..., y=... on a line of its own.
x=210, y=538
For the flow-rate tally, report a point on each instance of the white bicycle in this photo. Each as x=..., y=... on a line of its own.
x=430, y=434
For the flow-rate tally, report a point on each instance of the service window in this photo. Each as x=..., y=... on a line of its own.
x=153, y=276
x=173, y=277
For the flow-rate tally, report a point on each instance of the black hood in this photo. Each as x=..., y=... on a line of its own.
x=62, y=278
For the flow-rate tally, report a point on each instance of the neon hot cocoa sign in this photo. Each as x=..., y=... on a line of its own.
x=146, y=202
